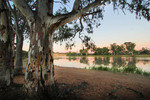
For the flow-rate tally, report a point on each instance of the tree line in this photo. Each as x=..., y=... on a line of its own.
x=127, y=48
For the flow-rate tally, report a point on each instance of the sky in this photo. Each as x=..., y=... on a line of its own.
x=116, y=27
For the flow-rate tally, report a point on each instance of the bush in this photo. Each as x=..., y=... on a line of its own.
x=146, y=73
x=139, y=71
x=129, y=69
x=71, y=54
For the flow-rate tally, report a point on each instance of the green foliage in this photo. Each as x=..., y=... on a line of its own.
x=101, y=51
x=145, y=51
x=130, y=46
x=105, y=51
x=124, y=49
x=98, y=51
x=114, y=48
x=71, y=54
x=83, y=52
x=129, y=69
x=139, y=71
x=84, y=60
x=146, y=73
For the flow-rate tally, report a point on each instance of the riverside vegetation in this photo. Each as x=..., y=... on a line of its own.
x=128, y=69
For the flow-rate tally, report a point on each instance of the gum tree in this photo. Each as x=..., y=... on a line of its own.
x=6, y=61
x=19, y=26
x=43, y=22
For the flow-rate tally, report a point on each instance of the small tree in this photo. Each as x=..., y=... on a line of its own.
x=130, y=47
x=105, y=51
x=114, y=48
x=98, y=51
x=144, y=51
x=84, y=52
x=120, y=49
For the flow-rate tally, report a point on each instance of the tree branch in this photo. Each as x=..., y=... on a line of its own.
x=42, y=8
x=24, y=8
x=50, y=6
x=14, y=13
x=66, y=18
x=92, y=13
x=76, y=5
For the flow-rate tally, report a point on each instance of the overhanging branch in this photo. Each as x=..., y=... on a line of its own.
x=24, y=8
x=66, y=18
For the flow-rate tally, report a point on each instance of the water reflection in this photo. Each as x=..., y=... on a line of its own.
x=119, y=62
x=72, y=58
x=84, y=60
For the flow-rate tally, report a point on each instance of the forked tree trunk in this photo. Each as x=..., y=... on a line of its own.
x=40, y=69
x=5, y=48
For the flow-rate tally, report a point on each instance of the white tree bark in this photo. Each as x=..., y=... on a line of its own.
x=25, y=10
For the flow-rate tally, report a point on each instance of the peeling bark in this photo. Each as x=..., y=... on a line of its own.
x=40, y=68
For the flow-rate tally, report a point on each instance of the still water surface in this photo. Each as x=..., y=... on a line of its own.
x=82, y=62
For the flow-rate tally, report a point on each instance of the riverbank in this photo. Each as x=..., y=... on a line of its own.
x=103, y=85
x=83, y=84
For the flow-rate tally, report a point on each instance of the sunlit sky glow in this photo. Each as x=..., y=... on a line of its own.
x=116, y=27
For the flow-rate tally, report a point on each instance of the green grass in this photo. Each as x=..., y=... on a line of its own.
x=139, y=71
x=128, y=69
x=146, y=73
x=100, y=68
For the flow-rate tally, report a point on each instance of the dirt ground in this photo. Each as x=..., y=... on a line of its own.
x=100, y=85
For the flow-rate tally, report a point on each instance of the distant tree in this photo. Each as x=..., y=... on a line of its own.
x=120, y=49
x=98, y=51
x=130, y=47
x=105, y=51
x=84, y=52
x=71, y=54
x=101, y=51
x=144, y=51
x=114, y=48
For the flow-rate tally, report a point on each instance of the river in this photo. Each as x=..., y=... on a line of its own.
x=86, y=62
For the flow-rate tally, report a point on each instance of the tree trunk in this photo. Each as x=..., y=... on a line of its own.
x=5, y=48
x=18, y=63
x=4, y=64
x=40, y=69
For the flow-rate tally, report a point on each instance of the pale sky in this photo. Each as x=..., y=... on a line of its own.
x=115, y=28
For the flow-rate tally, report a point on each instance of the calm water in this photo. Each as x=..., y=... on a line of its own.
x=82, y=62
